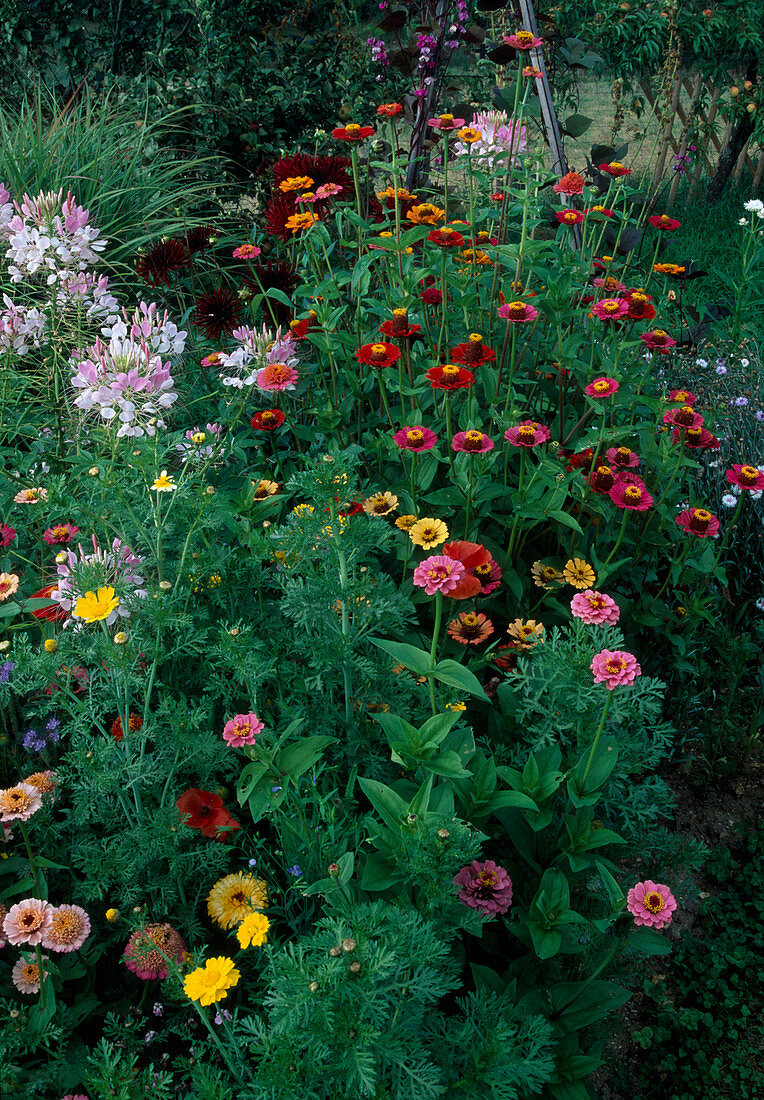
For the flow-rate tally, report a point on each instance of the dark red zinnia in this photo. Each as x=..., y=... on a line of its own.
x=473, y=353
x=268, y=420
x=450, y=377
x=217, y=311
x=160, y=260
x=206, y=811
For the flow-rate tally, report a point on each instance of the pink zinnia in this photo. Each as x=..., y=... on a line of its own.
x=614, y=667
x=595, y=608
x=658, y=340
x=610, y=309
x=485, y=886
x=29, y=921
x=70, y=927
x=416, y=438
x=622, y=456
x=19, y=803
x=609, y=283
x=602, y=387
x=630, y=492
x=446, y=123
x=242, y=730
x=277, y=376
x=26, y=976
x=683, y=397
x=7, y=535
x=569, y=217
x=60, y=534
x=518, y=313
x=571, y=184
x=438, y=574
x=523, y=40
x=473, y=442
x=698, y=521
x=651, y=904
x=746, y=477
x=31, y=496
x=696, y=437
x=148, y=950
x=684, y=417
x=528, y=433
x=246, y=252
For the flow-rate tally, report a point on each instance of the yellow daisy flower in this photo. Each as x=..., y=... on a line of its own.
x=234, y=897
x=211, y=982
x=428, y=532
x=95, y=606
x=381, y=504
x=579, y=573
x=405, y=523
x=265, y=489
x=164, y=484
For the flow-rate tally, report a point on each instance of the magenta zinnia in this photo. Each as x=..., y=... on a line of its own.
x=615, y=667
x=485, y=886
x=438, y=574
x=150, y=949
x=698, y=521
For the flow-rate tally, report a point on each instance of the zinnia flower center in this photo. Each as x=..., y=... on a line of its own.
x=473, y=440
x=487, y=878
x=378, y=352
x=526, y=432
x=414, y=436
x=694, y=434
x=615, y=164
x=654, y=902
x=352, y=128
x=623, y=454
x=439, y=572
x=66, y=926
x=602, y=386
x=524, y=37
x=681, y=395
x=611, y=305
x=569, y=216
x=31, y=920
x=633, y=493
x=685, y=415
x=447, y=119
x=517, y=309
x=596, y=602
x=476, y=338
x=450, y=372
x=749, y=475
x=659, y=334
x=701, y=520
x=614, y=665
x=268, y=418
x=19, y=800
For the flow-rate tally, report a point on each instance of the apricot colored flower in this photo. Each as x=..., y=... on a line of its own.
x=526, y=633
x=570, y=184
x=9, y=584
x=698, y=521
x=31, y=496
x=472, y=442
x=380, y=504
x=298, y=223
x=674, y=271
x=295, y=183
x=652, y=905
x=428, y=533
x=425, y=213
x=614, y=668
x=579, y=573
x=470, y=628
x=210, y=983
x=546, y=576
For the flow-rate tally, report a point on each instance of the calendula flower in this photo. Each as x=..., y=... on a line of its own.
x=164, y=484
x=210, y=983
x=615, y=667
x=652, y=905
x=95, y=606
x=405, y=523
x=428, y=533
x=253, y=930
x=9, y=584
x=470, y=628
x=31, y=496
x=26, y=976
x=438, y=574
x=595, y=608
x=69, y=928
x=546, y=576
x=234, y=896
x=242, y=730
x=28, y=922
x=526, y=633
x=579, y=573
x=380, y=504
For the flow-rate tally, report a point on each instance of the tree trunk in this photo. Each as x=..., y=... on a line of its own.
x=728, y=157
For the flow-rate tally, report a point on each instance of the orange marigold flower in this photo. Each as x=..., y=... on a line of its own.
x=425, y=213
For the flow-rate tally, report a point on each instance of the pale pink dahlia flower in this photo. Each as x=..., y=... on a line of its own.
x=595, y=608
x=242, y=730
x=614, y=667
x=651, y=904
x=485, y=886
x=438, y=574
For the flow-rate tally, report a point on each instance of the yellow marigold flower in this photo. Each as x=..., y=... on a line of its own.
x=428, y=532
x=545, y=576
x=51, y=645
x=164, y=484
x=253, y=930
x=265, y=489
x=298, y=222
x=381, y=504
x=211, y=982
x=469, y=135
x=233, y=897
x=526, y=633
x=112, y=915
x=405, y=523
x=296, y=183
x=425, y=213
x=95, y=606
x=457, y=706
x=579, y=573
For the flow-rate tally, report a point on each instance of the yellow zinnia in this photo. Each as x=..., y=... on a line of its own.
x=579, y=573
x=211, y=982
x=428, y=532
x=234, y=897
x=253, y=930
x=94, y=606
x=545, y=576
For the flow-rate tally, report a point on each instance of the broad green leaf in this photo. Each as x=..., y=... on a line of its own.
x=418, y=660
x=456, y=675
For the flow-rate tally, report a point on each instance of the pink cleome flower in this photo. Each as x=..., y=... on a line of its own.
x=698, y=521
x=416, y=438
x=485, y=886
x=473, y=442
x=528, y=433
x=651, y=904
x=602, y=387
x=630, y=492
x=595, y=608
x=746, y=477
x=242, y=730
x=614, y=667
x=438, y=574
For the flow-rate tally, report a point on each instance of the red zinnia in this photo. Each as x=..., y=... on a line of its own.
x=570, y=184
x=569, y=217
x=615, y=169
x=267, y=420
x=446, y=238
x=398, y=327
x=640, y=305
x=696, y=437
x=473, y=353
x=685, y=417
x=378, y=355
x=389, y=110
x=746, y=477
x=472, y=555
x=602, y=479
x=205, y=811
x=352, y=132
x=663, y=221
x=449, y=377
x=658, y=340
x=300, y=328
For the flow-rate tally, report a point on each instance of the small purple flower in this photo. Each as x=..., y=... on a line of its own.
x=721, y=369
x=158, y=1009
x=760, y=415
x=220, y=1014
x=252, y=862
x=5, y=671
x=294, y=871
x=741, y=402
x=33, y=741
x=53, y=726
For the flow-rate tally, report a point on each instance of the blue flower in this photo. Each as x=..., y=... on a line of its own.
x=5, y=671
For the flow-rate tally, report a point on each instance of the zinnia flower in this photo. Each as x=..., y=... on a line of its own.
x=610, y=309
x=428, y=533
x=253, y=930
x=650, y=904
x=570, y=184
x=148, y=950
x=352, y=132
x=615, y=169
x=9, y=584
x=246, y=252
x=242, y=730
x=425, y=213
x=602, y=387
x=473, y=353
x=217, y=311
x=7, y=535
x=69, y=928
x=658, y=340
x=470, y=628
x=389, y=110
x=684, y=417
x=210, y=983
x=526, y=633
x=416, y=438
x=95, y=606
x=446, y=238
x=698, y=521
x=20, y=802
x=602, y=479
x=485, y=886
x=234, y=897
x=26, y=976
x=523, y=40
x=696, y=437
x=449, y=377
x=640, y=307
x=381, y=504
x=268, y=420
x=60, y=534
x=663, y=221
x=488, y=574
x=528, y=433
x=298, y=223
x=683, y=397
x=746, y=477
x=595, y=608
x=438, y=574
x=398, y=327
x=263, y=490
x=546, y=576
x=31, y=496
x=614, y=667
x=276, y=377
x=446, y=123
x=517, y=313
x=622, y=456
x=205, y=811
x=569, y=217
x=405, y=523
x=630, y=492
x=378, y=355
x=472, y=442
x=579, y=573
x=28, y=921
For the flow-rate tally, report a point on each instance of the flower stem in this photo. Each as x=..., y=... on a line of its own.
x=434, y=647
x=597, y=737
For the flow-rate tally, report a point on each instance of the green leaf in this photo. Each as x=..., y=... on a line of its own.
x=390, y=806
x=378, y=874
x=456, y=675
x=576, y=125
x=437, y=728
x=648, y=941
x=410, y=656
x=486, y=978
x=295, y=760
x=578, y=1004
x=446, y=764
